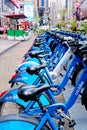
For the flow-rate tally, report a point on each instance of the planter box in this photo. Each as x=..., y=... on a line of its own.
x=17, y=35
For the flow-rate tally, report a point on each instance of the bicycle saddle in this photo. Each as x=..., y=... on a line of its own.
x=40, y=35
x=35, y=53
x=35, y=69
x=85, y=59
x=38, y=39
x=60, y=38
x=38, y=56
x=57, y=35
x=84, y=47
x=76, y=49
x=69, y=42
x=37, y=44
x=84, y=51
x=29, y=92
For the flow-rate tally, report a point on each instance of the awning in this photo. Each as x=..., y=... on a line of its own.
x=15, y=16
x=15, y=2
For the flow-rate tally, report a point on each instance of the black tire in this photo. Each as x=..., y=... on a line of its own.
x=19, y=122
x=84, y=97
x=78, y=68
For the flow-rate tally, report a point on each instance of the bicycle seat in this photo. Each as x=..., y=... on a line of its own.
x=35, y=69
x=29, y=92
x=40, y=36
x=71, y=42
x=65, y=44
x=85, y=59
x=37, y=44
x=35, y=53
x=84, y=47
x=57, y=35
x=38, y=39
x=60, y=38
x=84, y=51
x=76, y=49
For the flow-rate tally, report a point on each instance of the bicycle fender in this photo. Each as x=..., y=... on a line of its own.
x=22, y=76
x=12, y=96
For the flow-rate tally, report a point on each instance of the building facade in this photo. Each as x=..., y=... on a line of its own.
x=81, y=13
x=56, y=8
x=76, y=9
x=43, y=11
x=6, y=7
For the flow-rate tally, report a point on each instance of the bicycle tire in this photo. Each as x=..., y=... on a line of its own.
x=84, y=97
x=74, y=77
x=19, y=122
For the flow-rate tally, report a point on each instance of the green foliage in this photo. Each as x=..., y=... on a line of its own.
x=39, y=31
x=42, y=31
x=73, y=25
x=35, y=30
x=61, y=24
x=83, y=28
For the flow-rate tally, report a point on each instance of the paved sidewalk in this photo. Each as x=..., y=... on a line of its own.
x=6, y=44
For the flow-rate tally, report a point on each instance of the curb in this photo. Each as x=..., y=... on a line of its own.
x=9, y=48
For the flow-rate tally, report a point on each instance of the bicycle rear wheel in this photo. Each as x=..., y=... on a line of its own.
x=76, y=74
x=19, y=122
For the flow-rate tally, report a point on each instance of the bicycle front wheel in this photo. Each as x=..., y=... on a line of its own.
x=19, y=122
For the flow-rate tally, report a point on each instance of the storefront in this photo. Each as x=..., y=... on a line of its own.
x=18, y=32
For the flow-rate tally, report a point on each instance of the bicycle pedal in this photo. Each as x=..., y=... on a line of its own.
x=72, y=123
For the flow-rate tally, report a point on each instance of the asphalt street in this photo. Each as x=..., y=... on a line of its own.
x=11, y=54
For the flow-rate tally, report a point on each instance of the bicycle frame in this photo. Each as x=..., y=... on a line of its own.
x=66, y=57
x=63, y=106
x=60, y=86
x=20, y=77
x=46, y=117
x=62, y=53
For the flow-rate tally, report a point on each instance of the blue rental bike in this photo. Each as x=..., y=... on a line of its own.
x=43, y=120
x=57, y=110
x=56, y=89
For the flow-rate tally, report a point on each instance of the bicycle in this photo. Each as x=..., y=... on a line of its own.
x=64, y=107
x=52, y=109
x=23, y=121
x=56, y=89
